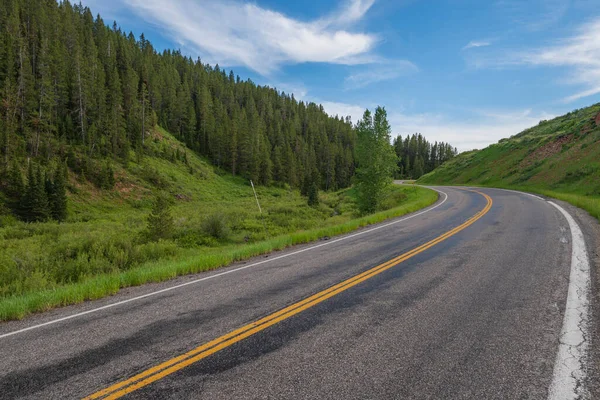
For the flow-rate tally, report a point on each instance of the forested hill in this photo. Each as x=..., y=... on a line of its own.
x=74, y=89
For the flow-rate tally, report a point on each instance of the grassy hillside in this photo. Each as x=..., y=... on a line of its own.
x=559, y=158
x=102, y=246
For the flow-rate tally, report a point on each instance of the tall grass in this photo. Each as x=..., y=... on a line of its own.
x=169, y=260
x=588, y=203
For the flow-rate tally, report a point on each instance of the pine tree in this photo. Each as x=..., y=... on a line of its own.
x=160, y=221
x=49, y=188
x=145, y=111
x=107, y=177
x=313, y=195
x=306, y=184
x=34, y=204
x=15, y=188
x=418, y=167
x=58, y=199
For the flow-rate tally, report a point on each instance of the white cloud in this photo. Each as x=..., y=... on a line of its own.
x=234, y=33
x=477, y=43
x=583, y=49
x=534, y=15
x=582, y=94
x=353, y=11
x=580, y=52
x=378, y=73
x=333, y=108
x=298, y=89
x=483, y=129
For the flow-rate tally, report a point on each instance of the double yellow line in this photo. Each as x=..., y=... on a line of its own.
x=175, y=364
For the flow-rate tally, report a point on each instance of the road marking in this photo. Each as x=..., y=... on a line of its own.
x=494, y=188
x=518, y=191
x=175, y=364
x=230, y=271
x=569, y=367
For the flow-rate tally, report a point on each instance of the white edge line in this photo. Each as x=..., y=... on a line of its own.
x=510, y=190
x=518, y=191
x=54, y=321
x=570, y=365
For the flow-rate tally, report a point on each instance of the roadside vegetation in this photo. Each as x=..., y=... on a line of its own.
x=167, y=218
x=558, y=158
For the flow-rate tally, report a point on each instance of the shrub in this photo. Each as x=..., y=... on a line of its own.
x=154, y=176
x=160, y=220
x=215, y=225
x=578, y=174
x=392, y=199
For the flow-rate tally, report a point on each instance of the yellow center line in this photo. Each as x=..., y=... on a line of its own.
x=177, y=363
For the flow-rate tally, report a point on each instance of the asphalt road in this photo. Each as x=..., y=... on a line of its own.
x=477, y=315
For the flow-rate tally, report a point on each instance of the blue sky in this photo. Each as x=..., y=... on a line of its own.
x=468, y=72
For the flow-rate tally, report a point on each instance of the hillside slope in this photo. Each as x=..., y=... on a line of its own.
x=559, y=158
x=71, y=84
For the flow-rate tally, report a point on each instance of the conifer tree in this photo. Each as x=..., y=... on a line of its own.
x=58, y=199
x=34, y=203
x=313, y=195
x=107, y=176
x=15, y=188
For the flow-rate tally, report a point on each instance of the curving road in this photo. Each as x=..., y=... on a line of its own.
x=465, y=299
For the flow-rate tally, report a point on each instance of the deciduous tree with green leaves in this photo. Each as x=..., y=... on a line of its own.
x=375, y=157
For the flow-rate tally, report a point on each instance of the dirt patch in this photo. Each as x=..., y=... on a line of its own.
x=155, y=134
x=129, y=190
x=82, y=188
x=587, y=128
x=124, y=187
x=597, y=120
x=545, y=151
x=182, y=197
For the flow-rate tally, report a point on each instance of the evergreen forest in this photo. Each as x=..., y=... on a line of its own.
x=417, y=156
x=80, y=95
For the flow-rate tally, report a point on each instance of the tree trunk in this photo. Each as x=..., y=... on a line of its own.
x=143, y=117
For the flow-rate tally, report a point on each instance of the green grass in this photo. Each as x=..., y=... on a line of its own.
x=559, y=158
x=102, y=248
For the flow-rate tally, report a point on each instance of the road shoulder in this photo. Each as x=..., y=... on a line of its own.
x=133, y=293
x=591, y=230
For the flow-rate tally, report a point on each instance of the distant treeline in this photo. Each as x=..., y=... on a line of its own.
x=417, y=156
x=70, y=84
